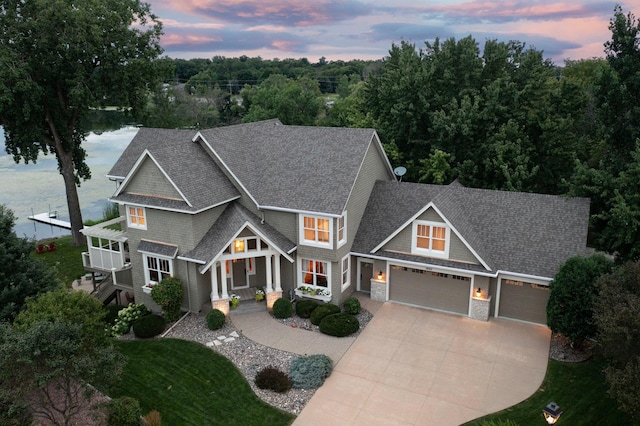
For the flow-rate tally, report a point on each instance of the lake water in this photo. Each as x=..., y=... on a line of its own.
x=38, y=188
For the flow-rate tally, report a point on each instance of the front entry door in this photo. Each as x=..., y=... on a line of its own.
x=366, y=273
x=239, y=274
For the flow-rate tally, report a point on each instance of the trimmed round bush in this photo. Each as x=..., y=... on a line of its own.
x=215, y=319
x=309, y=372
x=282, y=308
x=351, y=305
x=274, y=379
x=322, y=311
x=149, y=326
x=339, y=325
x=124, y=411
x=304, y=308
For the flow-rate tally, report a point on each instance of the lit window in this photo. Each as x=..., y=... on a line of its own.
x=342, y=230
x=157, y=268
x=314, y=273
x=431, y=238
x=136, y=217
x=316, y=231
x=238, y=246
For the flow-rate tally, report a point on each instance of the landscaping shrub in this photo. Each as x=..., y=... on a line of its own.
x=282, y=308
x=127, y=316
x=149, y=326
x=215, y=319
x=274, y=379
x=339, y=325
x=112, y=314
x=124, y=411
x=351, y=305
x=14, y=413
x=309, y=372
x=322, y=311
x=168, y=293
x=305, y=307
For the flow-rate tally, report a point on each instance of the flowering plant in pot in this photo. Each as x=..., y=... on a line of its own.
x=234, y=300
x=259, y=294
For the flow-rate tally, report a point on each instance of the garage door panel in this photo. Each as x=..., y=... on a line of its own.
x=523, y=301
x=437, y=291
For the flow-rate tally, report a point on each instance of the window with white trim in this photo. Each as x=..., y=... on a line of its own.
x=136, y=217
x=316, y=231
x=342, y=229
x=345, y=272
x=430, y=238
x=314, y=273
x=157, y=268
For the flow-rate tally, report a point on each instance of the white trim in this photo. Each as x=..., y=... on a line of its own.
x=168, y=209
x=418, y=214
x=342, y=241
x=307, y=212
x=188, y=259
x=343, y=285
x=145, y=264
x=359, y=271
x=132, y=225
x=430, y=251
x=137, y=165
x=516, y=277
x=300, y=279
x=315, y=243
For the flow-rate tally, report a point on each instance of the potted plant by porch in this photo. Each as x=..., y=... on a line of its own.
x=259, y=294
x=234, y=300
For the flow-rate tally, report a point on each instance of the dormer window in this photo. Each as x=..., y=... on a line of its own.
x=430, y=239
x=316, y=231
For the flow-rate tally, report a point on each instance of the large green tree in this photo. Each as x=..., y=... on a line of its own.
x=60, y=58
x=21, y=275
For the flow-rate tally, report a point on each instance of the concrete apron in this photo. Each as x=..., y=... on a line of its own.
x=413, y=366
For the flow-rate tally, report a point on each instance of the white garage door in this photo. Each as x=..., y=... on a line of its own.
x=524, y=301
x=435, y=290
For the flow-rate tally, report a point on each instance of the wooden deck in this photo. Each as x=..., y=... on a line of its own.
x=49, y=218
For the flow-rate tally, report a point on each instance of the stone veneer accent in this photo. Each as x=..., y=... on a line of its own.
x=272, y=296
x=479, y=309
x=378, y=290
x=221, y=305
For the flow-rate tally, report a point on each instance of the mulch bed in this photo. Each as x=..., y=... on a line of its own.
x=561, y=350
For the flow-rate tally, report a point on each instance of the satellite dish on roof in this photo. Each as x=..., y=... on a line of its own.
x=400, y=171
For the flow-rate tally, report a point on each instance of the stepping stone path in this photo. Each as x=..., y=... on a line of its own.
x=223, y=339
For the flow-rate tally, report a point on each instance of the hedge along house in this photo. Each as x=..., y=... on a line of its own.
x=318, y=211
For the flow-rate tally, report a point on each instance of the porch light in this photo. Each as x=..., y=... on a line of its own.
x=552, y=413
x=380, y=275
x=238, y=246
x=478, y=292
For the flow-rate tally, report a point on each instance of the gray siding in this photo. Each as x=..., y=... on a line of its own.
x=283, y=222
x=149, y=180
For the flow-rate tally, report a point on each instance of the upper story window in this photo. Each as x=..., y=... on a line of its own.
x=430, y=238
x=316, y=231
x=342, y=229
x=345, y=272
x=136, y=217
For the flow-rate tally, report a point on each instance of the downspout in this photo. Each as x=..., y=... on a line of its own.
x=189, y=288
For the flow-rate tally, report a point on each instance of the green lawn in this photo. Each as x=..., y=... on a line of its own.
x=580, y=391
x=67, y=258
x=189, y=384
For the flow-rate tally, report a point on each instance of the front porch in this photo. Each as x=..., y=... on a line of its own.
x=248, y=303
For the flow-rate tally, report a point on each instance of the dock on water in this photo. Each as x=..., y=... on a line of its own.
x=50, y=218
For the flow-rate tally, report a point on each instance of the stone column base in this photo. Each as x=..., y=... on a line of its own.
x=479, y=308
x=221, y=305
x=272, y=296
x=378, y=290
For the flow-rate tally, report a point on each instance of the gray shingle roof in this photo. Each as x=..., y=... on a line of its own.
x=293, y=167
x=186, y=163
x=230, y=222
x=162, y=249
x=511, y=231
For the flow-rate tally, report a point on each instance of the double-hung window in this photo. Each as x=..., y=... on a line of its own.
x=345, y=272
x=342, y=229
x=136, y=217
x=314, y=273
x=316, y=231
x=430, y=238
x=157, y=268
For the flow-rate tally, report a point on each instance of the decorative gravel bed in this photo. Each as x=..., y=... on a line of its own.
x=250, y=357
x=305, y=323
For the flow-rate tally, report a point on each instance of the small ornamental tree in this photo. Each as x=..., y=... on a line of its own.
x=169, y=293
x=571, y=296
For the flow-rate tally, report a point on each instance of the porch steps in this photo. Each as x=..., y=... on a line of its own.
x=248, y=303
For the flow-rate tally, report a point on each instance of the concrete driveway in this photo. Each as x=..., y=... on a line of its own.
x=414, y=366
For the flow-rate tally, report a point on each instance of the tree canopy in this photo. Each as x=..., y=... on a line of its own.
x=21, y=275
x=60, y=58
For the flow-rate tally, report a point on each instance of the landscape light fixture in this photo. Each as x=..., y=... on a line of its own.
x=552, y=413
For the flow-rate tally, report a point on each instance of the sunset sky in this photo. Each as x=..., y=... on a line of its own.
x=365, y=29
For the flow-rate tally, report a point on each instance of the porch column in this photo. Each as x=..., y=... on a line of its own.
x=214, y=281
x=223, y=277
x=277, y=272
x=268, y=262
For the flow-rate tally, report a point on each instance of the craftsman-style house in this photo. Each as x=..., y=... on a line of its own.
x=318, y=212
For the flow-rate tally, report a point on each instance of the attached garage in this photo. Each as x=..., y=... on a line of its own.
x=434, y=290
x=523, y=301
